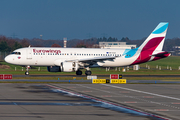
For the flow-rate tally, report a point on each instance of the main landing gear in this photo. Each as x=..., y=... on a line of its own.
x=87, y=72
x=79, y=72
x=27, y=70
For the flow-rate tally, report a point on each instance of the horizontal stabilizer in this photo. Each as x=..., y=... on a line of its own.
x=162, y=54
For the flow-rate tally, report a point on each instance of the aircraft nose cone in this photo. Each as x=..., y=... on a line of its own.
x=7, y=59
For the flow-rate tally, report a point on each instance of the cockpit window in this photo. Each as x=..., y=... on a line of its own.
x=16, y=53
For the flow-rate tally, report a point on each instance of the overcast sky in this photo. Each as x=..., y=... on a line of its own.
x=81, y=19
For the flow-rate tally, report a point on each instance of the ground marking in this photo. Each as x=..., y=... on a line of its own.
x=106, y=102
x=143, y=92
x=131, y=96
x=130, y=102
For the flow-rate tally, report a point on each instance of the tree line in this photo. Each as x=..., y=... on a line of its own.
x=10, y=44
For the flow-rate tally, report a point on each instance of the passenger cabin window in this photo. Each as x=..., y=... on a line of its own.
x=16, y=53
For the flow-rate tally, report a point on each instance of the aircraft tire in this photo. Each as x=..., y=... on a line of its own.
x=26, y=73
x=79, y=72
x=88, y=72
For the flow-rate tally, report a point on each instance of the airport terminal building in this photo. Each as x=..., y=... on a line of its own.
x=116, y=45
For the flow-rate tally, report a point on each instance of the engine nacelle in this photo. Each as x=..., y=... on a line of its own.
x=54, y=68
x=69, y=66
x=64, y=67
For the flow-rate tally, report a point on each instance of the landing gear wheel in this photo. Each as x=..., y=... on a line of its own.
x=79, y=72
x=88, y=72
x=26, y=73
x=27, y=70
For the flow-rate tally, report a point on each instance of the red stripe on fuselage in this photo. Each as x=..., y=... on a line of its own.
x=147, y=50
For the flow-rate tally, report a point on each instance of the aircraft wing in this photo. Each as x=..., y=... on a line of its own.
x=94, y=60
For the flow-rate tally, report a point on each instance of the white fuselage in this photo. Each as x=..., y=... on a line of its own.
x=43, y=56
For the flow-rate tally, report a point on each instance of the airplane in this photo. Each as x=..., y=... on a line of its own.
x=75, y=59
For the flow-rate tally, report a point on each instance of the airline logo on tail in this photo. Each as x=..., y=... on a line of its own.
x=151, y=49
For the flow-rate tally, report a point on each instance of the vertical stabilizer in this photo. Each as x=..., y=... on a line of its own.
x=155, y=41
x=152, y=45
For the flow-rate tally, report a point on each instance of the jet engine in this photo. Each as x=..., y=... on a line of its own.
x=69, y=66
x=64, y=67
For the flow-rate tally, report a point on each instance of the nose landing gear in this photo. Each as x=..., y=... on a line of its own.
x=26, y=73
x=27, y=70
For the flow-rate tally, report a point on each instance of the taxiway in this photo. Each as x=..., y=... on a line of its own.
x=89, y=101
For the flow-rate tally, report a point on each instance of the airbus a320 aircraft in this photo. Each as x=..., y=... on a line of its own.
x=75, y=59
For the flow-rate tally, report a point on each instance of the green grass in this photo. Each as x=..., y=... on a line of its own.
x=172, y=61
